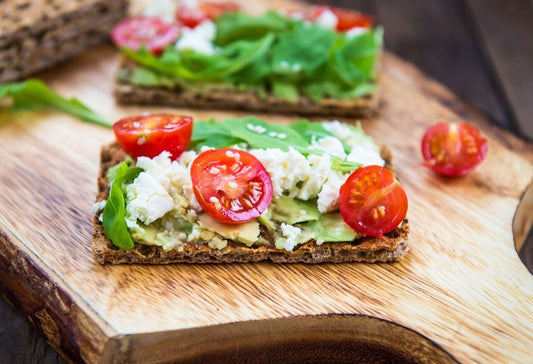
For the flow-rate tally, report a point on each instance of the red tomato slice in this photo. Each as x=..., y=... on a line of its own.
x=346, y=18
x=151, y=32
x=231, y=185
x=149, y=135
x=191, y=17
x=372, y=202
x=453, y=149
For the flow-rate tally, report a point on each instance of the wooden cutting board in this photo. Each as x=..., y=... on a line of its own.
x=462, y=292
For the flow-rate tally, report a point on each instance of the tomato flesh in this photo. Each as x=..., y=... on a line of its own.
x=192, y=16
x=150, y=32
x=231, y=185
x=346, y=18
x=149, y=135
x=453, y=149
x=372, y=202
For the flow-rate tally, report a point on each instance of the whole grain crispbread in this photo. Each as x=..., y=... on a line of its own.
x=231, y=99
x=38, y=34
x=366, y=249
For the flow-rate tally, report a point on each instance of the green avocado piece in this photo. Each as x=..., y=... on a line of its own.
x=292, y=210
x=330, y=227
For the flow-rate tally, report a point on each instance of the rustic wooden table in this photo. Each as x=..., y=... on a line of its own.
x=482, y=51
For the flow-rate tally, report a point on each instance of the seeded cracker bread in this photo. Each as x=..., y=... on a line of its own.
x=367, y=249
x=229, y=99
x=38, y=34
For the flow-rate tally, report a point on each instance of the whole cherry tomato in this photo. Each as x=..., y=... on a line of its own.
x=453, y=149
x=231, y=185
x=372, y=201
x=149, y=135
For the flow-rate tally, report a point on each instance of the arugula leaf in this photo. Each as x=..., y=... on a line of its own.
x=300, y=51
x=260, y=134
x=34, y=94
x=211, y=134
x=194, y=66
x=114, y=215
x=309, y=129
x=234, y=26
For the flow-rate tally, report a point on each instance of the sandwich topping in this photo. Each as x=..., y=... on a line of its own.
x=322, y=52
x=249, y=182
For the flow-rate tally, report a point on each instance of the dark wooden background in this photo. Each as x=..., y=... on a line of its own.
x=480, y=49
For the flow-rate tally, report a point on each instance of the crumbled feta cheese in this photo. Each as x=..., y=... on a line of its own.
x=163, y=9
x=286, y=169
x=98, y=206
x=328, y=198
x=327, y=19
x=365, y=156
x=355, y=31
x=363, y=148
x=189, y=3
x=199, y=39
x=147, y=199
x=174, y=177
x=290, y=233
x=330, y=145
x=320, y=168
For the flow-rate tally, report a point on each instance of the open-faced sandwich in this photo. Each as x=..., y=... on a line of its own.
x=244, y=190
x=322, y=61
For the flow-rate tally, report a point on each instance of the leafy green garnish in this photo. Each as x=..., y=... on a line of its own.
x=257, y=133
x=34, y=94
x=114, y=215
x=234, y=26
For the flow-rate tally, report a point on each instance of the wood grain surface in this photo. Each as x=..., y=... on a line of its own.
x=462, y=287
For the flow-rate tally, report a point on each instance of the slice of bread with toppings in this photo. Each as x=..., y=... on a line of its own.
x=364, y=249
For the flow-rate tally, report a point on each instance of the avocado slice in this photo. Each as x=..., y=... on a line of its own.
x=292, y=210
x=330, y=227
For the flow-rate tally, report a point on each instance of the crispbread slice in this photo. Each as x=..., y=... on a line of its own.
x=38, y=34
x=367, y=249
x=230, y=99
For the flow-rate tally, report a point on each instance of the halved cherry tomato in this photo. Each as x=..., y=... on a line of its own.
x=372, y=202
x=453, y=149
x=346, y=18
x=149, y=135
x=231, y=185
x=191, y=17
x=151, y=32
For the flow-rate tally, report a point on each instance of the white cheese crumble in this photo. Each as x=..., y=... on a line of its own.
x=328, y=198
x=286, y=169
x=148, y=200
x=327, y=19
x=355, y=31
x=163, y=9
x=98, y=206
x=291, y=234
x=199, y=39
x=330, y=145
x=363, y=148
